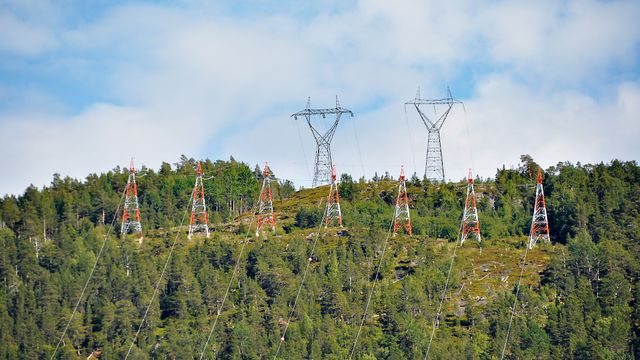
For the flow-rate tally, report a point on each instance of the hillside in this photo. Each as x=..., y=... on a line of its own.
x=578, y=295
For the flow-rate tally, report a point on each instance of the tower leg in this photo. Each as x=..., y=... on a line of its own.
x=323, y=165
x=434, y=168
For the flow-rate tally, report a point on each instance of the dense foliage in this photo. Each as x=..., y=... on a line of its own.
x=583, y=306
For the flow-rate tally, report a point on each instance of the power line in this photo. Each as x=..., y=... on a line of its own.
x=226, y=293
x=444, y=293
x=304, y=153
x=155, y=290
x=413, y=156
x=466, y=124
x=304, y=277
x=353, y=123
x=86, y=284
x=373, y=286
x=515, y=301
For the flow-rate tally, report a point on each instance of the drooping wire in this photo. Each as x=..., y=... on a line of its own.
x=86, y=284
x=373, y=286
x=226, y=293
x=164, y=269
x=304, y=153
x=466, y=124
x=304, y=277
x=353, y=123
x=235, y=270
x=458, y=240
x=453, y=256
x=436, y=319
x=515, y=301
x=413, y=156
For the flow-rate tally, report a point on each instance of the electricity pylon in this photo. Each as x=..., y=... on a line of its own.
x=131, y=211
x=265, y=208
x=401, y=217
x=323, y=163
x=199, y=216
x=333, y=202
x=434, y=167
x=539, y=222
x=470, y=223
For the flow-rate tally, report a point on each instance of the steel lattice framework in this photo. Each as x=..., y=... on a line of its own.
x=265, y=208
x=470, y=223
x=323, y=161
x=402, y=217
x=131, y=211
x=539, y=222
x=333, y=202
x=199, y=216
x=434, y=167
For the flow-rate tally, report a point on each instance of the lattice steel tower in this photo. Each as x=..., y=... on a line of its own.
x=265, y=208
x=333, y=202
x=131, y=212
x=323, y=163
x=434, y=167
x=401, y=216
x=539, y=222
x=470, y=223
x=199, y=217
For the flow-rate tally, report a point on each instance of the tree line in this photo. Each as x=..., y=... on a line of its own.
x=584, y=306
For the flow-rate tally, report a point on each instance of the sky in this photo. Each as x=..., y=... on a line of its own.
x=87, y=85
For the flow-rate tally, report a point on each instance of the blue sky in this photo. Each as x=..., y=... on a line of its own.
x=84, y=86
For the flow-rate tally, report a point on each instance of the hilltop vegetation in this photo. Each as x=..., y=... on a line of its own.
x=578, y=300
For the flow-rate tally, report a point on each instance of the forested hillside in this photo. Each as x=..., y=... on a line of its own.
x=578, y=299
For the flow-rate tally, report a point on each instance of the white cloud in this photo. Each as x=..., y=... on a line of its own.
x=104, y=136
x=216, y=83
x=509, y=119
x=569, y=41
x=19, y=37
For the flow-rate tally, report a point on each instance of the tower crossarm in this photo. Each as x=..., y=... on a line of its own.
x=442, y=118
x=425, y=119
x=322, y=112
x=446, y=101
x=437, y=125
x=328, y=135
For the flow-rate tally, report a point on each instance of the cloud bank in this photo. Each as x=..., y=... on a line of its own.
x=84, y=89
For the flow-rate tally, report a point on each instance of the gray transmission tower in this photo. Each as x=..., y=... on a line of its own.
x=434, y=168
x=323, y=165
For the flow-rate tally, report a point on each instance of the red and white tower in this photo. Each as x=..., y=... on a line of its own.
x=401, y=217
x=265, y=209
x=470, y=223
x=539, y=222
x=333, y=202
x=131, y=212
x=199, y=215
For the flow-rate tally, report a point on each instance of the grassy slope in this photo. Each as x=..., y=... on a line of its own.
x=480, y=273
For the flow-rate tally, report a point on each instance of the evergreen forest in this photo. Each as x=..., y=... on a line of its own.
x=578, y=297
